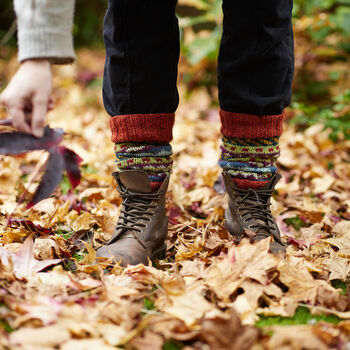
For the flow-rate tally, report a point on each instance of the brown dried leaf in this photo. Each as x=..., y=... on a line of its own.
x=189, y=306
x=47, y=336
x=226, y=332
x=295, y=337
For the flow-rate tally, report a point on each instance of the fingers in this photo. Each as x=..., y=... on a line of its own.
x=27, y=96
x=40, y=107
x=16, y=112
x=18, y=119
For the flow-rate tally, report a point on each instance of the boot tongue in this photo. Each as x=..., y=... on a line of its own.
x=135, y=181
x=272, y=183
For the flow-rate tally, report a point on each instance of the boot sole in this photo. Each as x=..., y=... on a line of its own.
x=159, y=253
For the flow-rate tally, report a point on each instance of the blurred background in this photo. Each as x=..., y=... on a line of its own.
x=322, y=31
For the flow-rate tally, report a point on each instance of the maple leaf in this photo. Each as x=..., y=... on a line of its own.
x=295, y=337
x=189, y=306
x=338, y=267
x=24, y=263
x=225, y=331
x=342, y=243
x=60, y=158
x=245, y=261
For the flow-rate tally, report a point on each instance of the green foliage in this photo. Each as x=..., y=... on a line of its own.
x=335, y=117
x=339, y=284
x=5, y=326
x=88, y=22
x=208, y=16
x=64, y=233
x=302, y=316
x=87, y=169
x=338, y=20
x=173, y=345
x=296, y=222
x=65, y=184
x=79, y=256
x=148, y=304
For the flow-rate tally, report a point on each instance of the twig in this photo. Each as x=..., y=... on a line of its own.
x=10, y=33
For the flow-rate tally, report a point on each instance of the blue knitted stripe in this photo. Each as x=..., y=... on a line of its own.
x=158, y=177
x=245, y=168
x=143, y=154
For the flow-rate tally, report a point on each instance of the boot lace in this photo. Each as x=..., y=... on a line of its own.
x=255, y=205
x=135, y=207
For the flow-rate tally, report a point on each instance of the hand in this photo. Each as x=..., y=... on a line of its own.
x=27, y=96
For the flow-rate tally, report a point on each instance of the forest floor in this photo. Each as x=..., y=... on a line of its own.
x=207, y=293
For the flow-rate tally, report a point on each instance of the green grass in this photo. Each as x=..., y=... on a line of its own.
x=5, y=326
x=88, y=169
x=148, y=304
x=65, y=234
x=173, y=345
x=338, y=284
x=296, y=222
x=65, y=184
x=302, y=316
x=79, y=256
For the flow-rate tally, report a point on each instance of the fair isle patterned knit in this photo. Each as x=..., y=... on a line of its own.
x=154, y=159
x=250, y=162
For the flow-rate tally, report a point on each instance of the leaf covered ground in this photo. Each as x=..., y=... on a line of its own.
x=207, y=293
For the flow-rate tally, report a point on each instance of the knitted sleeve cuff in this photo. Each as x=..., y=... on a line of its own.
x=57, y=47
x=45, y=30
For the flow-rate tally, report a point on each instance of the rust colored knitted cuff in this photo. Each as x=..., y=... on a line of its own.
x=142, y=128
x=246, y=184
x=250, y=126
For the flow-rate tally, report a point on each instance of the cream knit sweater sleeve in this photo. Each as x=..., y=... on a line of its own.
x=45, y=30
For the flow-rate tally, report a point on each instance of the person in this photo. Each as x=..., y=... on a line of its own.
x=255, y=73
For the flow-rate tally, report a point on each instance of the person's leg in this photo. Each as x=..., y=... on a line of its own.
x=255, y=72
x=139, y=87
x=140, y=95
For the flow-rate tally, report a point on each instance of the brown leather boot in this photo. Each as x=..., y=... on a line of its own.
x=142, y=225
x=250, y=209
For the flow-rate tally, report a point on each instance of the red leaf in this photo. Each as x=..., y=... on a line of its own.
x=51, y=177
x=71, y=163
x=61, y=158
x=30, y=226
x=12, y=143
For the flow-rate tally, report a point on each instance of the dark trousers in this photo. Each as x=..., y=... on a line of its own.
x=255, y=64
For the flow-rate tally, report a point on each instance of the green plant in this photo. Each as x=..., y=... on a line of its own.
x=302, y=316
x=208, y=17
x=335, y=117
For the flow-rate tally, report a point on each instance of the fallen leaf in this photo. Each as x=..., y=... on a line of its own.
x=295, y=337
x=24, y=263
x=47, y=336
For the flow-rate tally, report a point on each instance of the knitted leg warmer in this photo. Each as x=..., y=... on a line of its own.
x=154, y=159
x=250, y=162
